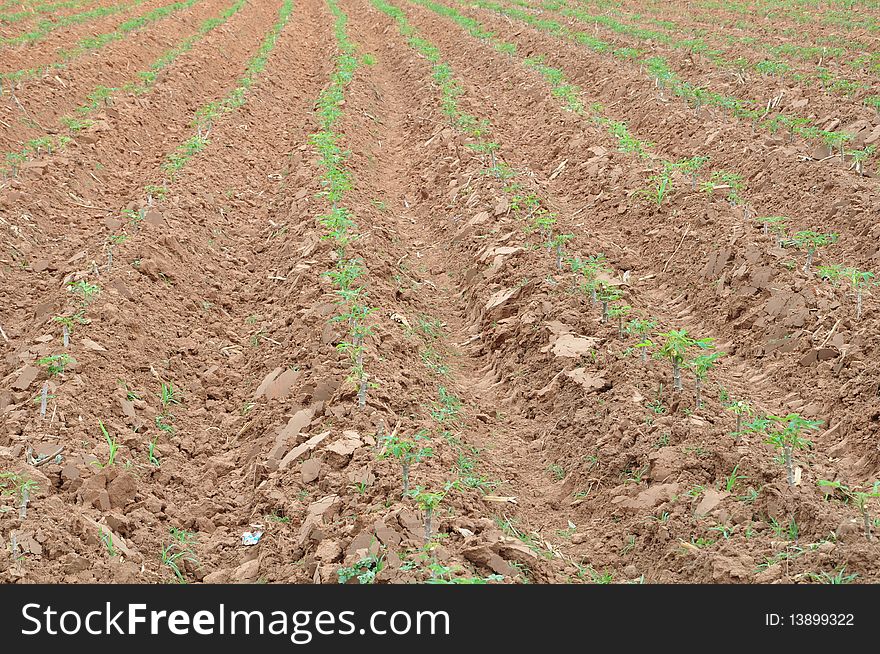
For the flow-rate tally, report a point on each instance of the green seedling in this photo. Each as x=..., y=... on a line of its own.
x=364, y=571
x=590, y=269
x=407, y=451
x=151, y=453
x=811, y=241
x=168, y=395
x=605, y=294
x=107, y=540
x=675, y=347
x=660, y=184
x=838, y=576
x=700, y=366
x=786, y=435
x=56, y=363
x=739, y=408
x=619, y=312
x=86, y=291
x=733, y=479
x=112, y=443
x=428, y=502
x=174, y=555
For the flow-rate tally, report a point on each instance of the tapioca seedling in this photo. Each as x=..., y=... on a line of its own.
x=407, y=451
x=701, y=365
x=836, y=141
x=774, y=225
x=787, y=435
x=589, y=269
x=428, y=502
x=739, y=408
x=605, y=294
x=691, y=167
x=859, y=157
x=447, y=408
x=364, y=570
x=619, y=312
x=17, y=486
x=675, y=347
x=858, y=279
x=557, y=243
x=56, y=363
x=723, y=179
x=641, y=328
x=84, y=290
x=811, y=241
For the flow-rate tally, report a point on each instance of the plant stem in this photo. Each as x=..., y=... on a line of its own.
x=429, y=514
x=789, y=468
x=808, y=262
x=405, y=478
x=858, y=304
x=676, y=376
x=699, y=386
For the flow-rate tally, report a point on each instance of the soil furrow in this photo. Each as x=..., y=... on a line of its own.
x=108, y=169
x=37, y=107
x=44, y=50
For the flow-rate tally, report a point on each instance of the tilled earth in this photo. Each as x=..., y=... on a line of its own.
x=575, y=460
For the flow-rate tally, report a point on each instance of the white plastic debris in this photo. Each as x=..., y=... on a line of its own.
x=251, y=537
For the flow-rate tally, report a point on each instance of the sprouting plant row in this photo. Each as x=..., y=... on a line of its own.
x=843, y=18
x=774, y=67
x=132, y=218
x=694, y=96
x=40, y=8
x=784, y=432
x=663, y=182
x=102, y=95
x=210, y=112
x=826, y=48
x=8, y=80
x=339, y=221
x=528, y=205
x=46, y=26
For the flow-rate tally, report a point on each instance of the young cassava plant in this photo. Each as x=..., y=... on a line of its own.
x=407, y=451
x=675, y=347
x=786, y=434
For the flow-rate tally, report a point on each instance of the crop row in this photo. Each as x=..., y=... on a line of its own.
x=102, y=96
x=786, y=433
x=46, y=26
x=665, y=178
x=694, y=96
x=84, y=292
x=16, y=15
x=9, y=80
x=669, y=35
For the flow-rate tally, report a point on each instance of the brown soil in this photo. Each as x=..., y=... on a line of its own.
x=223, y=292
x=39, y=103
x=822, y=107
x=46, y=50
